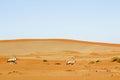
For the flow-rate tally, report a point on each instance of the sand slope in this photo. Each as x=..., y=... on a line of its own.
x=54, y=45
x=46, y=60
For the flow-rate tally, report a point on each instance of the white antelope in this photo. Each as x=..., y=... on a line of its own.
x=71, y=62
x=12, y=60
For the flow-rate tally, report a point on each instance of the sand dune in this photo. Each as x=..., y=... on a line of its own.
x=45, y=59
x=54, y=45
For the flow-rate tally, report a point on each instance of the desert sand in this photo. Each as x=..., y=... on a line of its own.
x=45, y=59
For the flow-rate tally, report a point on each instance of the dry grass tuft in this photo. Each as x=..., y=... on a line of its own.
x=57, y=63
x=69, y=70
x=115, y=59
x=93, y=62
x=45, y=60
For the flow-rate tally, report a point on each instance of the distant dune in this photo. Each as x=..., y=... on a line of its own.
x=30, y=46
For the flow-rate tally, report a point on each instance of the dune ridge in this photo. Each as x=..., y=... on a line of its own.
x=63, y=40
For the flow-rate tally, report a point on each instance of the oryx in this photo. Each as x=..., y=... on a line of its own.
x=12, y=60
x=71, y=61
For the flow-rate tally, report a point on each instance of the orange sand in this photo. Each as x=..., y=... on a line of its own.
x=31, y=53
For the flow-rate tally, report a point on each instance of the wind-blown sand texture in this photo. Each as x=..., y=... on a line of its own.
x=45, y=59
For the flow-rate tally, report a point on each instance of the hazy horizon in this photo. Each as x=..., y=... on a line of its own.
x=88, y=20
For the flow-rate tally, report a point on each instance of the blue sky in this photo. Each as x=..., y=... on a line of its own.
x=89, y=20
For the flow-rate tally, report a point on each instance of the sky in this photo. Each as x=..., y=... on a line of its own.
x=88, y=20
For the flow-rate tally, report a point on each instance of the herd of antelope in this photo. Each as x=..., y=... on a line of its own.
x=70, y=61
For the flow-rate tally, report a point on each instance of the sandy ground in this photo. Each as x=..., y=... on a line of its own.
x=51, y=65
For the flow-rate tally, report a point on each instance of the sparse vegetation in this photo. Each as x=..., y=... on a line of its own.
x=115, y=59
x=97, y=61
x=57, y=63
x=93, y=62
x=69, y=70
x=45, y=60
